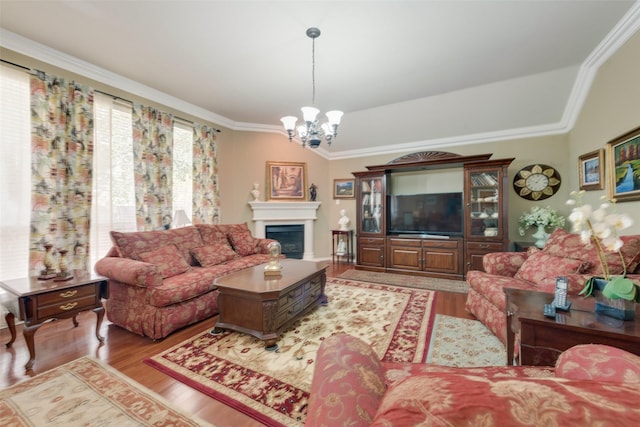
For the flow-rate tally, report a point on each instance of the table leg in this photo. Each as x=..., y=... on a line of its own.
x=99, y=311
x=11, y=323
x=510, y=338
x=29, y=332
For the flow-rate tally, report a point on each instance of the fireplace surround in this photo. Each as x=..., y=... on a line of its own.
x=286, y=213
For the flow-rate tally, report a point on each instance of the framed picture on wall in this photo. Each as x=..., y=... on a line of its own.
x=591, y=170
x=344, y=188
x=287, y=181
x=623, y=168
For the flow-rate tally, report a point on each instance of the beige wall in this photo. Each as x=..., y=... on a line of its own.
x=610, y=109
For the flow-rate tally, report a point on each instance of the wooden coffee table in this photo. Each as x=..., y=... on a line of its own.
x=42, y=300
x=262, y=306
x=542, y=339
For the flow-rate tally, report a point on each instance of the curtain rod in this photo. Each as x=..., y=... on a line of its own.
x=32, y=71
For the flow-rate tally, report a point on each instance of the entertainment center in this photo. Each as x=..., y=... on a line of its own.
x=431, y=213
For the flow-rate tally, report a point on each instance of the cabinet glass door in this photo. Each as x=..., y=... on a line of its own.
x=372, y=205
x=484, y=203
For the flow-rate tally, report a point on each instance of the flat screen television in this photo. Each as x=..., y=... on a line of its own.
x=432, y=213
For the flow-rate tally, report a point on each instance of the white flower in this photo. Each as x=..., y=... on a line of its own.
x=598, y=227
x=538, y=216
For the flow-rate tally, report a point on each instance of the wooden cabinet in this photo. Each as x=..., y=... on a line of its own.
x=485, y=218
x=485, y=225
x=371, y=219
x=438, y=258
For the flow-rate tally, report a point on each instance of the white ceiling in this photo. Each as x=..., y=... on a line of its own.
x=408, y=74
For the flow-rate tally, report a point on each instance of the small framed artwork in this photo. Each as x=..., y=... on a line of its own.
x=623, y=167
x=287, y=181
x=591, y=170
x=344, y=188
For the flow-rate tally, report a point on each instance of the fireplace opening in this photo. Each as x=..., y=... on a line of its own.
x=291, y=238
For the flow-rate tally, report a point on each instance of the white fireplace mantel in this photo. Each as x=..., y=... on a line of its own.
x=287, y=213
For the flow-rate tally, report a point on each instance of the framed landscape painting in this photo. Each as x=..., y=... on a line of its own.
x=344, y=188
x=591, y=170
x=623, y=169
x=287, y=181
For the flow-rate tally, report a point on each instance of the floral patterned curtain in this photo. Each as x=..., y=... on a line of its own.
x=62, y=155
x=152, y=158
x=206, y=198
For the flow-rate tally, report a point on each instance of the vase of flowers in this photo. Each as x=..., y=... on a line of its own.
x=615, y=295
x=542, y=218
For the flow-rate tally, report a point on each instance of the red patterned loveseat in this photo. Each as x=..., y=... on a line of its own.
x=591, y=385
x=160, y=281
x=563, y=255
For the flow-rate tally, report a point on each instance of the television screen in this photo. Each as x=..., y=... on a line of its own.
x=433, y=213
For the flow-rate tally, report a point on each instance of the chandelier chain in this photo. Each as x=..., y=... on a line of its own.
x=313, y=70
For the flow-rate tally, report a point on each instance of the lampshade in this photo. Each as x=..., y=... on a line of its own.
x=180, y=219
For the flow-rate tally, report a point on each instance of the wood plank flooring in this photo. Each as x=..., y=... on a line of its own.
x=59, y=342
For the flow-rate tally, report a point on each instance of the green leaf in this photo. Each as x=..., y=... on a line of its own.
x=620, y=287
x=587, y=291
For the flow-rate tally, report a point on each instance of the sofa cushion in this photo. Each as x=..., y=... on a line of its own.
x=243, y=242
x=168, y=259
x=214, y=253
x=543, y=269
x=212, y=233
x=184, y=287
x=461, y=397
x=569, y=245
x=598, y=363
x=132, y=244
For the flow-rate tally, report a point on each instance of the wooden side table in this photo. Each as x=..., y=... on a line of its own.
x=542, y=339
x=336, y=236
x=43, y=300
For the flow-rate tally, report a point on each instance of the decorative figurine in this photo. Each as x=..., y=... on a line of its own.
x=312, y=192
x=273, y=268
x=255, y=192
x=344, y=220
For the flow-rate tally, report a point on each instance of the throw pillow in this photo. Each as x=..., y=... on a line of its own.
x=540, y=266
x=598, y=363
x=168, y=259
x=243, y=242
x=213, y=254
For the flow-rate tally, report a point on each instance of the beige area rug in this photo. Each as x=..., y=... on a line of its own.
x=418, y=282
x=86, y=392
x=464, y=343
x=273, y=387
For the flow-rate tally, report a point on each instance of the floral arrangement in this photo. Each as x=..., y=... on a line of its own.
x=601, y=228
x=537, y=216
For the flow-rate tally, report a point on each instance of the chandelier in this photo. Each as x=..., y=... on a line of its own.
x=311, y=132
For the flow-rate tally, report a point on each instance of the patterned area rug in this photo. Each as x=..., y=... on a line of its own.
x=85, y=392
x=273, y=387
x=464, y=343
x=418, y=282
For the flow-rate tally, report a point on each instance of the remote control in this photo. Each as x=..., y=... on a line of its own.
x=549, y=310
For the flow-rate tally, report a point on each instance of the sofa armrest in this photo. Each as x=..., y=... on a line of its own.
x=261, y=245
x=599, y=363
x=129, y=271
x=348, y=383
x=503, y=263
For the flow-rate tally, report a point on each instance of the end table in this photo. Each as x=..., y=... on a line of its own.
x=43, y=300
x=346, y=235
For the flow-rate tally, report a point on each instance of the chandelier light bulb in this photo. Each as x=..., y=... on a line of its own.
x=289, y=122
x=309, y=114
x=334, y=117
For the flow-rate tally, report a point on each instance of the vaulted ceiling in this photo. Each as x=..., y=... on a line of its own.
x=407, y=74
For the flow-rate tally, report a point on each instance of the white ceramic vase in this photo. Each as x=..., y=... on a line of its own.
x=541, y=237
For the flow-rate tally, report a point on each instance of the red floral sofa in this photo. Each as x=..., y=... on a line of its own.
x=160, y=281
x=564, y=254
x=590, y=385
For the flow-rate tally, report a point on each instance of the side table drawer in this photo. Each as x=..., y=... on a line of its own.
x=69, y=306
x=64, y=295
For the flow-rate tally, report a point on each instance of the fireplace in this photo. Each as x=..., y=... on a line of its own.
x=287, y=213
x=291, y=238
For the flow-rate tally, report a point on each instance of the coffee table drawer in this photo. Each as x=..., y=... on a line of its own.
x=65, y=295
x=69, y=306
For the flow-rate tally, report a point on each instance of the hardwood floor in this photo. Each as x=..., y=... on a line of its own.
x=59, y=342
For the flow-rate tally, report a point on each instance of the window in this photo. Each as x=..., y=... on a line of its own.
x=15, y=178
x=182, y=167
x=113, y=205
